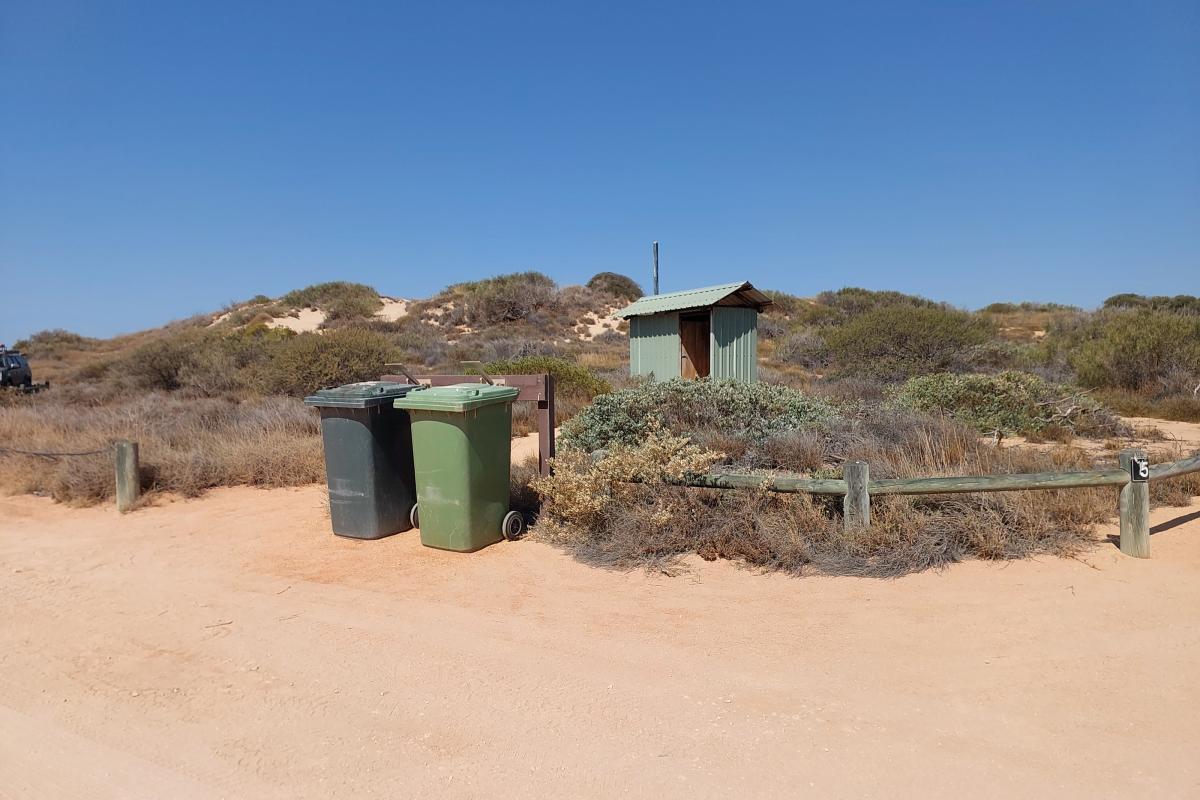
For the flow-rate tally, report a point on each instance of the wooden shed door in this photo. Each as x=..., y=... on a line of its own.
x=693, y=345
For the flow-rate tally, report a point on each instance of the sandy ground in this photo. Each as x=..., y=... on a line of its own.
x=525, y=447
x=1163, y=440
x=231, y=647
x=1186, y=434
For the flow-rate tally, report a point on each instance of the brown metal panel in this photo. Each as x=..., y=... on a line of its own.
x=534, y=389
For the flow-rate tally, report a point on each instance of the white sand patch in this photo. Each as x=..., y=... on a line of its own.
x=439, y=313
x=607, y=322
x=393, y=309
x=308, y=320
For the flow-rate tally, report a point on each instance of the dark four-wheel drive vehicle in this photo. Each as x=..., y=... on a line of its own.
x=14, y=369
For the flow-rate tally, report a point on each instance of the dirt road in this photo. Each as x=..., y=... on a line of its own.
x=231, y=647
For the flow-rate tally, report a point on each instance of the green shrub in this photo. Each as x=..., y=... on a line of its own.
x=996, y=354
x=163, y=363
x=569, y=378
x=338, y=299
x=46, y=344
x=834, y=308
x=784, y=305
x=503, y=298
x=1009, y=402
x=1026, y=306
x=899, y=341
x=770, y=327
x=806, y=348
x=421, y=342
x=753, y=411
x=205, y=361
x=615, y=284
x=1179, y=304
x=304, y=363
x=1136, y=350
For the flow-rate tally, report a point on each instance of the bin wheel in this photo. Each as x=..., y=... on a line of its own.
x=413, y=517
x=513, y=525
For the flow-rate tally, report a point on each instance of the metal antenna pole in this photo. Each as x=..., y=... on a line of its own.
x=656, y=267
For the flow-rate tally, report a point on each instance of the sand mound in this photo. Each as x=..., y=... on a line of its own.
x=393, y=309
x=307, y=320
x=310, y=320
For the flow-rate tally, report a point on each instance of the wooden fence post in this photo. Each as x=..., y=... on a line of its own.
x=1135, y=511
x=856, y=505
x=128, y=475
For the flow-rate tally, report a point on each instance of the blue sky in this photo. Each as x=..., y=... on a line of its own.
x=159, y=159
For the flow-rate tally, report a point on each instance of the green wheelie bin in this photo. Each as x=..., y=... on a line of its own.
x=368, y=458
x=461, y=448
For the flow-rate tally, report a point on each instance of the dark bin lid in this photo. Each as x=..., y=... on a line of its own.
x=360, y=395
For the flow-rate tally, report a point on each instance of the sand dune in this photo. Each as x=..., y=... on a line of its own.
x=310, y=320
x=307, y=320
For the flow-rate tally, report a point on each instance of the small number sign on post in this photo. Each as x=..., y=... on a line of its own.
x=1139, y=469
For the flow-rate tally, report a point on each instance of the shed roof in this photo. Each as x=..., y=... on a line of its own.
x=742, y=293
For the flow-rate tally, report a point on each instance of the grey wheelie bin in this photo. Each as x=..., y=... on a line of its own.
x=368, y=458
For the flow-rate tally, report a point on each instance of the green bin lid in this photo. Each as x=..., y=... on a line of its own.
x=360, y=395
x=459, y=397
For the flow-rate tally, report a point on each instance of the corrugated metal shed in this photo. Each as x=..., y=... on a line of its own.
x=694, y=298
x=698, y=333
x=654, y=346
x=734, y=350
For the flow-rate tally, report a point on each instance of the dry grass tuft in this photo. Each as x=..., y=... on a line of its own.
x=186, y=445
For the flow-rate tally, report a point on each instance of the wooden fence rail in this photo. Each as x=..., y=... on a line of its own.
x=857, y=487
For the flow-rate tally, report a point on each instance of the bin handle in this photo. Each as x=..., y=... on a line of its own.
x=478, y=365
x=404, y=371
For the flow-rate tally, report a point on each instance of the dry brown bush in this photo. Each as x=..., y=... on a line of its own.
x=185, y=445
x=590, y=511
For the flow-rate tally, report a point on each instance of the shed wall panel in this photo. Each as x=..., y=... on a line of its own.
x=734, y=352
x=654, y=346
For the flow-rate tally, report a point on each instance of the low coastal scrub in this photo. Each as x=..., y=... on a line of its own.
x=615, y=284
x=302, y=364
x=895, y=342
x=570, y=379
x=1009, y=403
x=249, y=361
x=624, y=509
x=574, y=387
x=504, y=298
x=752, y=412
x=338, y=299
x=615, y=498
